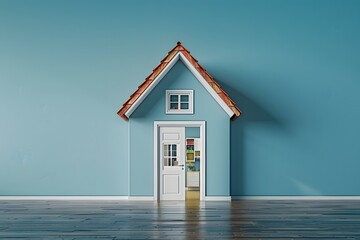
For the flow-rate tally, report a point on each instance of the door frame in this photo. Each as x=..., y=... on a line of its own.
x=202, y=125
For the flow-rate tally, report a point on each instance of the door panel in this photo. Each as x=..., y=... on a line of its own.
x=172, y=161
x=171, y=136
x=171, y=184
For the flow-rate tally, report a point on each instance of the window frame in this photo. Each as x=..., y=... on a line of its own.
x=190, y=110
x=169, y=158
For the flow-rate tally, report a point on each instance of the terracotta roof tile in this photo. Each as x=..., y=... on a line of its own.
x=164, y=62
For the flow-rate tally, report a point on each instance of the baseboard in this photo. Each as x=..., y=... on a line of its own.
x=150, y=198
x=62, y=198
x=79, y=198
x=141, y=198
x=217, y=198
x=281, y=198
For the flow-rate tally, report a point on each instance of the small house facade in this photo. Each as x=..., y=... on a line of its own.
x=179, y=132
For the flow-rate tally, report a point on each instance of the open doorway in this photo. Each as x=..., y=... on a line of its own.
x=179, y=160
x=192, y=163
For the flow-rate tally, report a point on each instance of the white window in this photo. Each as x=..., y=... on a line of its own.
x=170, y=155
x=179, y=102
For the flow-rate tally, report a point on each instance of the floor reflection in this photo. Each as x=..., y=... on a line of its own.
x=192, y=215
x=244, y=219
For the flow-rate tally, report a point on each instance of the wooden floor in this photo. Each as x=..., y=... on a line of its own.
x=179, y=220
x=192, y=195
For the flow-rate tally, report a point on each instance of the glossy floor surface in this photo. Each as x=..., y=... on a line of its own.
x=192, y=195
x=179, y=220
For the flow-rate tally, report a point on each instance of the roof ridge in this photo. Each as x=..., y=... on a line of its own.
x=159, y=68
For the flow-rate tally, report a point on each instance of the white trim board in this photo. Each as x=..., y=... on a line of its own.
x=286, y=198
x=202, y=125
x=198, y=76
x=217, y=198
x=141, y=198
x=79, y=198
x=206, y=198
x=67, y=198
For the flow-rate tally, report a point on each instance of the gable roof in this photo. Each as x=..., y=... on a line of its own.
x=175, y=54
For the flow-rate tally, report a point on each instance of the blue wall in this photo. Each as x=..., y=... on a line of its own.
x=192, y=132
x=292, y=67
x=205, y=109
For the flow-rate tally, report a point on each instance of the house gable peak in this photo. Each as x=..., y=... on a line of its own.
x=179, y=52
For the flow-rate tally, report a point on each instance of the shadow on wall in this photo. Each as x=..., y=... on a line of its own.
x=252, y=114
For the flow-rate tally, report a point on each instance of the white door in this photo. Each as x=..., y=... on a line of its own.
x=172, y=163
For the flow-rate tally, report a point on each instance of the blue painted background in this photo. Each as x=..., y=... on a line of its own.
x=292, y=67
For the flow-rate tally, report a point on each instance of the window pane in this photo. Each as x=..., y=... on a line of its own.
x=174, y=162
x=166, y=150
x=184, y=98
x=174, y=106
x=184, y=106
x=166, y=161
x=169, y=150
x=174, y=150
x=174, y=98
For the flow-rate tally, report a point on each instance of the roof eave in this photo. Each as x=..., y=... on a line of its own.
x=235, y=116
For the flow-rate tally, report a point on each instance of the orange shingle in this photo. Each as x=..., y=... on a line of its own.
x=171, y=54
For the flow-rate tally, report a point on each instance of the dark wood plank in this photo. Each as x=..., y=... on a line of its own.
x=179, y=220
